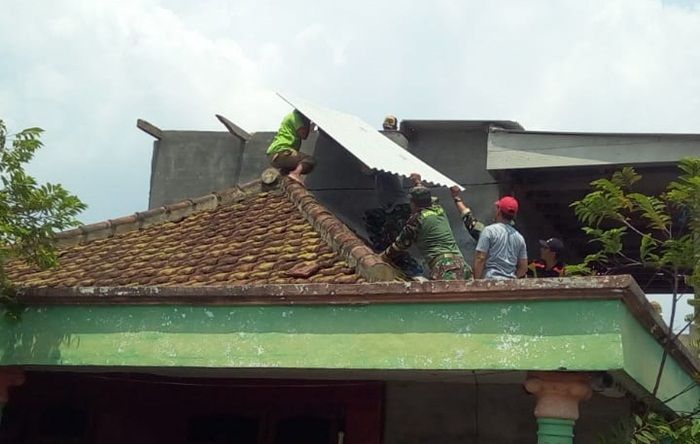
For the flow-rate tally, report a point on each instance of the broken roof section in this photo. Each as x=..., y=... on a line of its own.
x=367, y=144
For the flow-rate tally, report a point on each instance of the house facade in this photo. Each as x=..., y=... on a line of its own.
x=259, y=314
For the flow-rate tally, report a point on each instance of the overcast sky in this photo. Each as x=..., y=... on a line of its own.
x=85, y=70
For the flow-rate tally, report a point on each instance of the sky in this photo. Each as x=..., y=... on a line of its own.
x=85, y=70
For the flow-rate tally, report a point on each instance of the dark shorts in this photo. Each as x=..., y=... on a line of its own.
x=287, y=161
x=450, y=267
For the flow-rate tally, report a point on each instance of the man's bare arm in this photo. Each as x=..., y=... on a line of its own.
x=521, y=270
x=479, y=264
x=473, y=226
x=459, y=203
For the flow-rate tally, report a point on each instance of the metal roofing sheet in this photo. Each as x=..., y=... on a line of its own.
x=367, y=144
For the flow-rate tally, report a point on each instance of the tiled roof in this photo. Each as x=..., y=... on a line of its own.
x=239, y=236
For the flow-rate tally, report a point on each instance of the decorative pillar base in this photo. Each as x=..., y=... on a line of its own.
x=555, y=431
x=558, y=395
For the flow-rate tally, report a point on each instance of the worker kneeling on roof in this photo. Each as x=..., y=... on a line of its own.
x=429, y=229
x=284, y=151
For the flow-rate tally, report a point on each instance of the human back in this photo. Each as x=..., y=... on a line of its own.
x=505, y=246
x=435, y=237
x=287, y=137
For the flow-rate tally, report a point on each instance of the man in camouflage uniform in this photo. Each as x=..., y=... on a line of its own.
x=429, y=230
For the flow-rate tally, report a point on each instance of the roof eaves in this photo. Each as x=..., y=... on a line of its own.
x=459, y=125
x=602, y=287
x=622, y=287
x=521, y=131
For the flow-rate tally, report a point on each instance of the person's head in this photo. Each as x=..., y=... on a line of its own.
x=551, y=250
x=305, y=128
x=390, y=123
x=420, y=198
x=506, y=209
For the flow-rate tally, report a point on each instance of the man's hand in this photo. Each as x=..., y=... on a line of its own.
x=459, y=203
x=415, y=178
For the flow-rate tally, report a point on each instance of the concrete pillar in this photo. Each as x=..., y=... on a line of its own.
x=558, y=395
x=8, y=378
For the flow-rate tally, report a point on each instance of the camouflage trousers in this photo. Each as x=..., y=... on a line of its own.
x=450, y=267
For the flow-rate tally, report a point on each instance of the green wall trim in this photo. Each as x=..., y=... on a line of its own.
x=642, y=356
x=533, y=335
x=538, y=335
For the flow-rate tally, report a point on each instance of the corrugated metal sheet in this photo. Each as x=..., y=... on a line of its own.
x=368, y=144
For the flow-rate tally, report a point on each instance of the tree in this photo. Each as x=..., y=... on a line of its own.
x=655, y=429
x=666, y=229
x=30, y=213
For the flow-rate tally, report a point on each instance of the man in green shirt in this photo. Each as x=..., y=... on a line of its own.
x=429, y=229
x=284, y=153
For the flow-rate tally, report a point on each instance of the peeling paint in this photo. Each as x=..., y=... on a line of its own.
x=458, y=336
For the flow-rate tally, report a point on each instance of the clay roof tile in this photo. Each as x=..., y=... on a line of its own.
x=233, y=237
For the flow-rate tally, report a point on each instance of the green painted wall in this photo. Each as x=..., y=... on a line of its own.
x=642, y=356
x=575, y=335
x=538, y=335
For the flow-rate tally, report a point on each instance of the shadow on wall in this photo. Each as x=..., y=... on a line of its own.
x=34, y=338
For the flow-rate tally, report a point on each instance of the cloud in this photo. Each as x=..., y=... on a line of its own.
x=85, y=70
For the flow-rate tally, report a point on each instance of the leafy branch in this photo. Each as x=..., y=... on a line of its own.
x=666, y=227
x=30, y=213
x=652, y=428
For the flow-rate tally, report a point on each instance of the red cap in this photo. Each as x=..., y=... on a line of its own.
x=508, y=205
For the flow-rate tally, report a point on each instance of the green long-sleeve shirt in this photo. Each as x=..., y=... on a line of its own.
x=287, y=138
x=429, y=229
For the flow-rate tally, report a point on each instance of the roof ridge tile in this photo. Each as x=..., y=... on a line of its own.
x=337, y=235
x=174, y=212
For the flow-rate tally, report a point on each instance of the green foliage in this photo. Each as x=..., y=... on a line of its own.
x=667, y=230
x=667, y=226
x=655, y=429
x=685, y=195
x=30, y=213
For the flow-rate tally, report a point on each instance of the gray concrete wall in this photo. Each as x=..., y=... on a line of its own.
x=340, y=185
x=461, y=156
x=254, y=158
x=189, y=164
x=446, y=413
